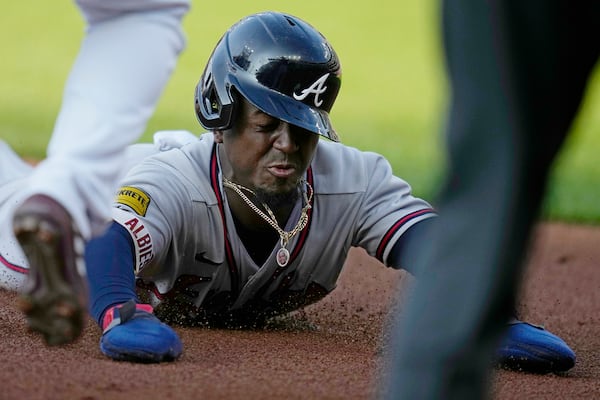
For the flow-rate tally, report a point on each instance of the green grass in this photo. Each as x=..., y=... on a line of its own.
x=574, y=188
x=392, y=98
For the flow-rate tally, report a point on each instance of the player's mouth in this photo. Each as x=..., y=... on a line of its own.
x=282, y=170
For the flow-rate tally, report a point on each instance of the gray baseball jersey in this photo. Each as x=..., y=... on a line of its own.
x=193, y=266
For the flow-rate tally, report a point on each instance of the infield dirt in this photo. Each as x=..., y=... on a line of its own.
x=333, y=350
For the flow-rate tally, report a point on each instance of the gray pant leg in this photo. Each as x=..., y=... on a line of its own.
x=509, y=115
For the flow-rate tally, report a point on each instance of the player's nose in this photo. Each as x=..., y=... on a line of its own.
x=287, y=139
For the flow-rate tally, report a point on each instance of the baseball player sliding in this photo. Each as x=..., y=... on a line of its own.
x=255, y=218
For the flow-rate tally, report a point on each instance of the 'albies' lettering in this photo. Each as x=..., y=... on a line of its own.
x=143, y=241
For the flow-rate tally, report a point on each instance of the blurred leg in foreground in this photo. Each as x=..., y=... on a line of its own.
x=518, y=71
x=125, y=60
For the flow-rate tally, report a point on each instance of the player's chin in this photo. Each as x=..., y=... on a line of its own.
x=287, y=185
x=278, y=195
x=278, y=184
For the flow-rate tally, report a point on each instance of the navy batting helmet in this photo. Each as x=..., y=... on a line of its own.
x=280, y=64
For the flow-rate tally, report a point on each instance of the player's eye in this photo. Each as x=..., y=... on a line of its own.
x=269, y=126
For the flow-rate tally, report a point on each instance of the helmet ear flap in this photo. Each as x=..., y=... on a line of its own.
x=210, y=110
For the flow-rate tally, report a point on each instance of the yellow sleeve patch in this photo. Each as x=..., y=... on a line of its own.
x=134, y=198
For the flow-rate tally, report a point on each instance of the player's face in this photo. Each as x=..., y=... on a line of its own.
x=264, y=153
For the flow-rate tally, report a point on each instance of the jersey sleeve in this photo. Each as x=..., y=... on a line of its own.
x=141, y=207
x=154, y=204
x=168, y=206
x=388, y=208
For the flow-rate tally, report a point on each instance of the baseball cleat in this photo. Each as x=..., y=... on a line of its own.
x=54, y=295
x=132, y=333
x=530, y=348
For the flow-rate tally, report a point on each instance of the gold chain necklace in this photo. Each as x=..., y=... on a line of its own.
x=283, y=255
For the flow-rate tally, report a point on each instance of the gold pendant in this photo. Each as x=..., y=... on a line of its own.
x=283, y=257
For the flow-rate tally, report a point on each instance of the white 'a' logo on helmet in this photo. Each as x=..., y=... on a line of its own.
x=317, y=88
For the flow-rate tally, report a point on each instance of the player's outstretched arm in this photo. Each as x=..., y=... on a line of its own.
x=129, y=329
x=524, y=347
